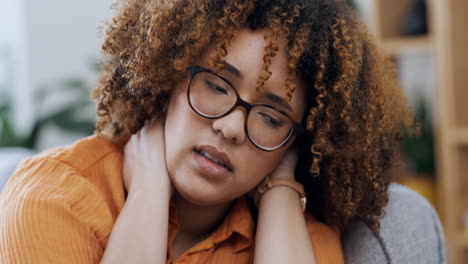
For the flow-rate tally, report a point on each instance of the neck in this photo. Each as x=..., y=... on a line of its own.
x=197, y=221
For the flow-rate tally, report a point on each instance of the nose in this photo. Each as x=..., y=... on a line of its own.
x=232, y=125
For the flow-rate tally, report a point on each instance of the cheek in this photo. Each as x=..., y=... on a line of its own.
x=257, y=165
x=181, y=121
x=178, y=130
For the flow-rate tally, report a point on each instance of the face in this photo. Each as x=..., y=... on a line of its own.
x=190, y=137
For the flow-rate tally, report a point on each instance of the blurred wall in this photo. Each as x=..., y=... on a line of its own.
x=14, y=75
x=48, y=40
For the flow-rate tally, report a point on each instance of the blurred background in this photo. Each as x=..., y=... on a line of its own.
x=49, y=56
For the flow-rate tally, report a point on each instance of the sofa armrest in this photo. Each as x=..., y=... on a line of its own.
x=410, y=233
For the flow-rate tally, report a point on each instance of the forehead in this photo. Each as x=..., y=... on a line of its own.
x=246, y=54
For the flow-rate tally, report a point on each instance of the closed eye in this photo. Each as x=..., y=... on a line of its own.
x=215, y=87
x=270, y=120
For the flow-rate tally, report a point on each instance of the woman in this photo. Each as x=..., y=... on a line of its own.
x=216, y=120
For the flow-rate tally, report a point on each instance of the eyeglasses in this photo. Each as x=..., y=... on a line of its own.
x=212, y=96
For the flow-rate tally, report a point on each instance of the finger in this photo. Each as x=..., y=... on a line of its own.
x=155, y=130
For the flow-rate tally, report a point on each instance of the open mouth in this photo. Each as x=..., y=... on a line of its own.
x=217, y=160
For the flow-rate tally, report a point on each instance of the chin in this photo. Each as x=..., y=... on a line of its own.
x=201, y=193
x=201, y=198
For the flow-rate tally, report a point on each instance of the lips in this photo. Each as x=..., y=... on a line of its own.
x=214, y=155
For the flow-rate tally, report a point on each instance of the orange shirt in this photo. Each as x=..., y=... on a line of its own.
x=60, y=207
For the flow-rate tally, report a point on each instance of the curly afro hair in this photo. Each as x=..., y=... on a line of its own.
x=356, y=113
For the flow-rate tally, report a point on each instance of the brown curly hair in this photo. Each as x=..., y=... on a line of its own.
x=356, y=112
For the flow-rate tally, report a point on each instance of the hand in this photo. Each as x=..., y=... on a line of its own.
x=287, y=166
x=144, y=163
x=285, y=169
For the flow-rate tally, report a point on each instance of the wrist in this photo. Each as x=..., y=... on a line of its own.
x=285, y=185
x=150, y=191
x=280, y=197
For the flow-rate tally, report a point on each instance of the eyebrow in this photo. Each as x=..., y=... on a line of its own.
x=277, y=99
x=273, y=97
x=230, y=68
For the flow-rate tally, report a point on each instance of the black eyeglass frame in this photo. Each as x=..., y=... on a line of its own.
x=296, y=126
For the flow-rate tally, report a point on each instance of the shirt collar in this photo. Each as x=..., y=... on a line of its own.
x=237, y=225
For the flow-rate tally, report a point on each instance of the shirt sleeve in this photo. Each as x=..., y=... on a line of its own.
x=50, y=214
x=325, y=241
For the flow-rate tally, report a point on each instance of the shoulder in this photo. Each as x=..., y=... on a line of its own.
x=90, y=163
x=316, y=227
x=325, y=240
x=83, y=154
x=79, y=184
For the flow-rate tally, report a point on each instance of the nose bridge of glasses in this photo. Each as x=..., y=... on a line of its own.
x=238, y=110
x=243, y=104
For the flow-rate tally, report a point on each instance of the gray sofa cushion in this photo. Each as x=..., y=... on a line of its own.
x=410, y=233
